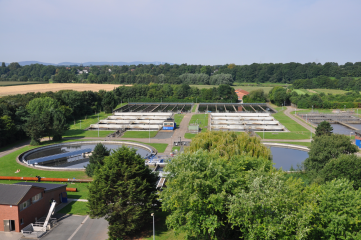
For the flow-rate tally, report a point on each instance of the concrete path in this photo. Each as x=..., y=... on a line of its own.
x=75, y=227
x=298, y=120
x=14, y=148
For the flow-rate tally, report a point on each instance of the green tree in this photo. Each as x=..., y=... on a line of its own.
x=35, y=129
x=206, y=70
x=266, y=207
x=7, y=129
x=123, y=191
x=13, y=66
x=229, y=144
x=324, y=148
x=3, y=64
x=198, y=189
x=345, y=166
x=255, y=96
x=109, y=102
x=96, y=160
x=338, y=215
x=324, y=128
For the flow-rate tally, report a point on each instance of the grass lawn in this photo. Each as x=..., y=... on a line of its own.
x=299, y=91
x=76, y=208
x=82, y=188
x=296, y=130
x=8, y=166
x=194, y=107
x=201, y=119
x=175, y=148
x=159, y=146
x=139, y=134
x=178, y=119
x=315, y=110
x=190, y=135
x=120, y=105
x=84, y=133
x=265, y=84
x=85, y=123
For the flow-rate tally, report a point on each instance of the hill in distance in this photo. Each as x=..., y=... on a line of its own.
x=23, y=63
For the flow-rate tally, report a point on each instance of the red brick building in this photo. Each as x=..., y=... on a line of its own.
x=241, y=93
x=23, y=203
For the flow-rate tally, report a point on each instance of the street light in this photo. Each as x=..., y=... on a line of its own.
x=153, y=226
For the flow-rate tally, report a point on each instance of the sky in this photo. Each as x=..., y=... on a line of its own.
x=204, y=32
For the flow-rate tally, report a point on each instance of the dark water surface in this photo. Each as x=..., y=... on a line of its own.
x=285, y=157
x=77, y=162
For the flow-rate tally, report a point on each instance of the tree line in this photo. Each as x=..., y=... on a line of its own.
x=177, y=74
x=344, y=83
x=224, y=187
x=40, y=115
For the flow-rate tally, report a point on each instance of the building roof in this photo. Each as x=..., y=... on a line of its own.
x=48, y=186
x=241, y=93
x=11, y=194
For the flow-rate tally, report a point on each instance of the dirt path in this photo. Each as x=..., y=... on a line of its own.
x=298, y=120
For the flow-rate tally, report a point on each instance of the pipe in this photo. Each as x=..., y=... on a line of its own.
x=71, y=189
x=46, y=179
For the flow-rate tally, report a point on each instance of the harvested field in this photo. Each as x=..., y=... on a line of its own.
x=54, y=87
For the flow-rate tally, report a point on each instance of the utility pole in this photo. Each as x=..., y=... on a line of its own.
x=153, y=226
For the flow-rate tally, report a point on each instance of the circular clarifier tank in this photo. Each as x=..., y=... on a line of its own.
x=75, y=155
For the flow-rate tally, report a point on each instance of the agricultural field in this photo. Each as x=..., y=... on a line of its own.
x=54, y=87
x=247, y=88
x=16, y=83
x=332, y=91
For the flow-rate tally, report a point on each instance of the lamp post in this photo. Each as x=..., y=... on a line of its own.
x=149, y=130
x=153, y=226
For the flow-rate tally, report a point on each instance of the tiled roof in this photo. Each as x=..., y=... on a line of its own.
x=11, y=194
x=48, y=186
x=241, y=93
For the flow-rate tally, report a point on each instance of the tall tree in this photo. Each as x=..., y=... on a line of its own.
x=324, y=148
x=96, y=160
x=324, y=128
x=123, y=191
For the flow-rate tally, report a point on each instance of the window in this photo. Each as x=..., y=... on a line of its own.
x=37, y=197
x=25, y=205
x=21, y=221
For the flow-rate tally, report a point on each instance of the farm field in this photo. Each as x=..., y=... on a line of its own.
x=247, y=88
x=332, y=91
x=54, y=87
x=16, y=83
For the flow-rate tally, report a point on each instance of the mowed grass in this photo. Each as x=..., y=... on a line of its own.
x=84, y=133
x=202, y=120
x=159, y=146
x=8, y=166
x=178, y=119
x=296, y=130
x=87, y=121
x=252, y=88
x=299, y=91
x=76, y=208
x=139, y=134
x=304, y=111
x=195, y=107
x=120, y=105
x=82, y=192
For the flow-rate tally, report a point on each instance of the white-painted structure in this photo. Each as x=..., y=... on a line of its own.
x=245, y=121
x=135, y=121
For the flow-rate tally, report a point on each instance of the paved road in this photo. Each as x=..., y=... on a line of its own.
x=75, y=227
x=298, y=120
x=14, y=148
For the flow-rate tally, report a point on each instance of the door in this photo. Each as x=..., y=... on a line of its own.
x=12, y=225
x=6, y=225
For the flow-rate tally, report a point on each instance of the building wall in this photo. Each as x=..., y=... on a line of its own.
x=35, y=210
x=9, y=213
